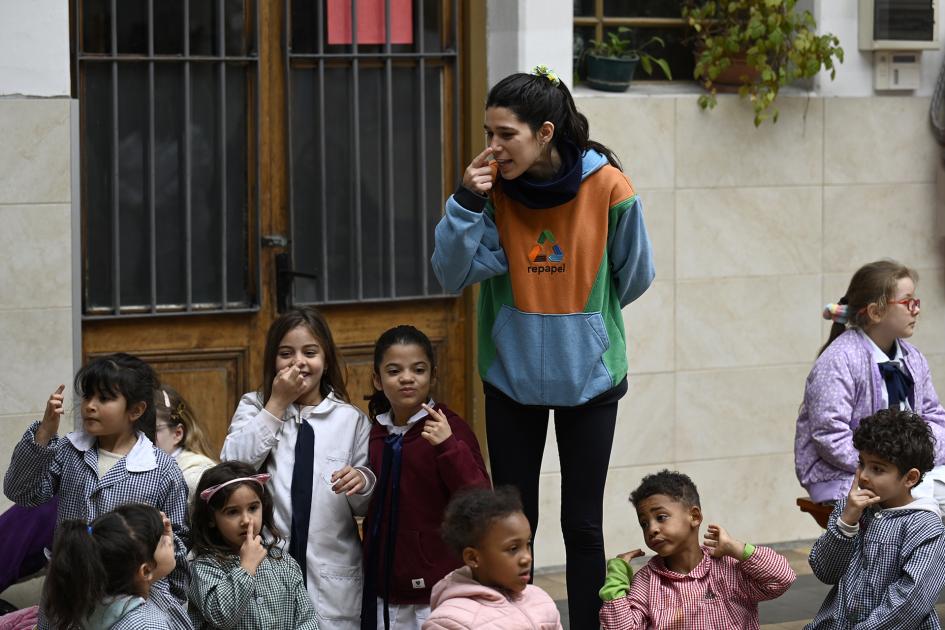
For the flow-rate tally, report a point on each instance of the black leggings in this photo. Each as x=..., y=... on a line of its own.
x=585, y=434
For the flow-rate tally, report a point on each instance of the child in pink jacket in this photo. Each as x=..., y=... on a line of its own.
x=492, y=592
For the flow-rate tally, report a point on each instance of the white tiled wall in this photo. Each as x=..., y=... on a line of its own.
x=753, y=231
x=36, y=275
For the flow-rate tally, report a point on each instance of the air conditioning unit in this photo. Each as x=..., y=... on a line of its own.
x=898, y=25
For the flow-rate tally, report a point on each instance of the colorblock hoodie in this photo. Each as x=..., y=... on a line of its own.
x=459, y=602
x=554, y=281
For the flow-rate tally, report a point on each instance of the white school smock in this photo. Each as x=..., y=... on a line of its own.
x=333, y=556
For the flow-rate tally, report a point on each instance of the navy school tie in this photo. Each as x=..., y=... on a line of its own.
x=301, y=493
x=899, y=385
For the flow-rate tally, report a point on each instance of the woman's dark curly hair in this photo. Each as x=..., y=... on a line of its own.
x=206, y=538
x=470, y=514
x=673, y=484
x=900, y=437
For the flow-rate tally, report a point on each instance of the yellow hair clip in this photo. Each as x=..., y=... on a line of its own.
x=542, y=70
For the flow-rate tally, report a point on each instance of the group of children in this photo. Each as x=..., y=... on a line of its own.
x=268, y=538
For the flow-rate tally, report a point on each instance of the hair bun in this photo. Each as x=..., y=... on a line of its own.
x=838, y=313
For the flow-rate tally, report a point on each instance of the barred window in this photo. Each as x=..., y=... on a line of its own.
x=168, y=167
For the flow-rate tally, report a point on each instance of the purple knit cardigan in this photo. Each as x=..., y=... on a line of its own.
x=844, y=387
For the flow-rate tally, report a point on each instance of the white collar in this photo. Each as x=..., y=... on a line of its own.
x=878, y=355
x=387, y=418
x=327, y=404
x=139, y=459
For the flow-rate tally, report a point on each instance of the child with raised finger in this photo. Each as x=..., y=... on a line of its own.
x=715, y=586
x=883, y=550
x=242, y=578
x=302, y=429
x=423, y=454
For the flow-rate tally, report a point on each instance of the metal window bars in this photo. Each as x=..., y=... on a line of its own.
x=318, y=56
x=126, y=268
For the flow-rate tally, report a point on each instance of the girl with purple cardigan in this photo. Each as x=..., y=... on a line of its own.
x=866, y=365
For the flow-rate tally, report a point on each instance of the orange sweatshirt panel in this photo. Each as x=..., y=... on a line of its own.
x=555, y=253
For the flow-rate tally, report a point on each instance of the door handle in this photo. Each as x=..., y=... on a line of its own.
x=285, y=276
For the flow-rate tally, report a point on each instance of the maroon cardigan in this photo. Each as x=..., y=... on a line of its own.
x=429, y=476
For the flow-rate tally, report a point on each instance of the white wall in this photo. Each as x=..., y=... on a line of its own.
x=855, y=74
x=34, y=47
x=36, y=278
x=521, y=34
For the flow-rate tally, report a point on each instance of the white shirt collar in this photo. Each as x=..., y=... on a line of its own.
x=878, y=355
x=139, y=459
x=387, y=418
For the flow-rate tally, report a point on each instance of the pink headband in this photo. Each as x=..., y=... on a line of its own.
x=261, y=479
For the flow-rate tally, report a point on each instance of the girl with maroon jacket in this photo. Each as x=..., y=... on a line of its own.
x=422, y=454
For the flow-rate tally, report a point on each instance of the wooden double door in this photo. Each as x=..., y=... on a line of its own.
x=295, y=98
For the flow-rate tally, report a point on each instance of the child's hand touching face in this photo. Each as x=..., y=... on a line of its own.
x=287, y=386
x=436, y=428
x=50, y=423
x=721, y=544
x=347, y=480
x=252, y=552
x=857, y=501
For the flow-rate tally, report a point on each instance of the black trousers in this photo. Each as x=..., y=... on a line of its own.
x=585, y=434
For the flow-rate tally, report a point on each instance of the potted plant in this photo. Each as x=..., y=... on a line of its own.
x=611, y=63
x=758, y=46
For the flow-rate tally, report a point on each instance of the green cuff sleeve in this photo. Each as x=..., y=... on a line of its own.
x=617, y=584
x=749, y=549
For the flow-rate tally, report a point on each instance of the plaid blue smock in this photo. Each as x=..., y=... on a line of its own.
x=223, y=595
x=148, y=616
x=68, y=467
x=887, y=576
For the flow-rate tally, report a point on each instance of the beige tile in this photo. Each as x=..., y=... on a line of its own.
x=722, y=147
x=557, y=589
x=36, y=242
x=878, y=139
x=748, y=231
x=35, y=155
x=742, y=322
x=732, y=413
x=868, y=222
x=11, y=430
x=659, y=212
x=37, y=357
x=650, y=334
x=753, y=497
x=640, y=131
x=645, y=422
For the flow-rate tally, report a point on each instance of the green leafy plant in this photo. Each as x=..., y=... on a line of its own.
x=778, y=44
x=619, y=45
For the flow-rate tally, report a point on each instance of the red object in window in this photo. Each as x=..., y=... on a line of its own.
x=371, y=21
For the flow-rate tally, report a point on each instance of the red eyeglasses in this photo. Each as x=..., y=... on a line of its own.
x=910, y=303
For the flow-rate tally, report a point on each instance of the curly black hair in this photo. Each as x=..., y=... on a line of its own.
x=672, y=483
x=470, y=513
x=902, y=438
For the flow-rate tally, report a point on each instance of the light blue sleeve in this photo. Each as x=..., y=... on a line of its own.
x=466, y=248
x=631, y=254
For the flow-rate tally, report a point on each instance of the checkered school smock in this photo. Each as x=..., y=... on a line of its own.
x=718, y=594
x=68, y=467
x=223, y=595
x=148, y=616
x=888, y=575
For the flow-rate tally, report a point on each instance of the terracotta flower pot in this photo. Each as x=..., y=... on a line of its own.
x=730, y=79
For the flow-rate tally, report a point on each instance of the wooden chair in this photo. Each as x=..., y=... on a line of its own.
x=819, y=511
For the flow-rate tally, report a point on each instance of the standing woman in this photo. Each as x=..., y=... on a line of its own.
x=554, y=232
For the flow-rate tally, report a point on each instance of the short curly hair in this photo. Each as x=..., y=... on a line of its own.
x=672, y=483
x=469, y=514
x=902, y=438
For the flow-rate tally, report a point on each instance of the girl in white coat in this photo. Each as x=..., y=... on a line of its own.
x=301, y=429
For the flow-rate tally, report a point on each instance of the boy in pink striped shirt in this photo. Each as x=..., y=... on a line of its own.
x=716, y=586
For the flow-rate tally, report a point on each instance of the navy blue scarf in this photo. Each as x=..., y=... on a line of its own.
x=390, y=476
x=560, y=189
x=899, y=385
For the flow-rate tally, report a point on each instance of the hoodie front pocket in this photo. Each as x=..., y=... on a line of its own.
x=550, y=360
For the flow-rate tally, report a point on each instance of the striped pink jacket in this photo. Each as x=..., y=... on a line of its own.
x=719, y=594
